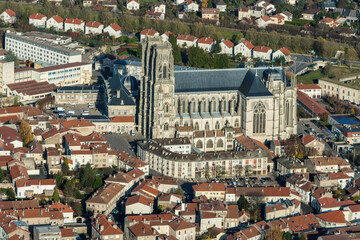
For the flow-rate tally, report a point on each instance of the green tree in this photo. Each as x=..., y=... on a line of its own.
x=98, y=183
x=59, y=179
x=217, y=47
x=10, y=194
x=302, y=237
x=2, y=175
x=68, y=188
x=65, y=167
x=243, y=203
x=11, y=57
x=87, y=176
x=175, y=49
x=287, y=236
x=56, y=196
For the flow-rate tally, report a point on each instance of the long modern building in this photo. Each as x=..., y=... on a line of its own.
x=61, y=75
x=41, y=47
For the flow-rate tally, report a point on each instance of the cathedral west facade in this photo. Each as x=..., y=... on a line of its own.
x=211, y=107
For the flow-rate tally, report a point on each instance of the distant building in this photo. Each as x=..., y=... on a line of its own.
x=74, y=25
x=282, y=52
x=8, y=16
x=46, y=47
x=113, y=30
x=93, y=27
x=206, y=44
x=82, y=94
x=262, y=52
x=47, y=232
x=309, y=14
x=312, y=90
x=221, y=5
x=226, y=47
x=132, y=5
x=55, y=22
x=38, y=20
x=210, y=14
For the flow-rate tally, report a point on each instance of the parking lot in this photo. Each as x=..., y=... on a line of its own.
x=68, y=110
x=314, y=128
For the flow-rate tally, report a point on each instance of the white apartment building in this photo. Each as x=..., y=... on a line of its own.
x=41, y=47
x=61, y=75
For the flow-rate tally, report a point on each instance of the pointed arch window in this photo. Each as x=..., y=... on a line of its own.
x=259, y=118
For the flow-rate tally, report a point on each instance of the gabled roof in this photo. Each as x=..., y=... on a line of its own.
x=105, y=226
x=180, y=224
x=308, y=86
x=58, y=19
x=205, y=40
x=148, y=32
x=10, y=12
x=263, y=49
x=333, y=216
x=93, y=24
x=228, y=43
x=213, y=187
x=142, y=229
x=37, y=16
x=115, y=27
x=74, y=21
x=285, y=51
x=185, y=37
x=139, y=199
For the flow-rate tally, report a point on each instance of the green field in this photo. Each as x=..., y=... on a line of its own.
x=310, y=77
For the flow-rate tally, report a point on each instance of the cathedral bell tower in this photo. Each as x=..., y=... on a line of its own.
x=157, y=90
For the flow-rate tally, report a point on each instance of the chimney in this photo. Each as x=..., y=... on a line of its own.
x=118, y=93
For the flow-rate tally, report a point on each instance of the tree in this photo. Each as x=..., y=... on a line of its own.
x=59, y=179
x=287, y=236
x=98, y=183
x=56, y=196
x=204, y=4
x=10, y=194
x=25, y=132
x=217, y=47
x=87, y=176
x=68, y=188
x=243, y=204
x=274, y=233
x=175, y=49
x=11, y=57
x=65, y=167
x=302, y=237
x=2, y=175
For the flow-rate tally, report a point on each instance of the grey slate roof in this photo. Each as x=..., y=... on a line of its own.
x=79, y=89
x=238, y=79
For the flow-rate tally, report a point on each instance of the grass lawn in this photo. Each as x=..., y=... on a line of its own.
x=310, y=77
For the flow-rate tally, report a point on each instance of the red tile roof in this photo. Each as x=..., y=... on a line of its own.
x=263, y=49
x=123, y=119
x=205, y=40
x=307, y=139
x=58, y=19
x=93, y=24
x=32, y=87
x=310, y=103
x=10, y=12
x=105, y=226
x=333, y=216
x=74, y=21
x=285, y=51
x=308, y=86
x=148, y=32
x=248, y=44
x=115, y=27
x=37, y=16
x=142, y=229
x=76, y=123
x=326, y=20
x=180, y=224
x=139, y=199
x=213, y=187
x=228, y=43
x=67, y=232
x=185, y=37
